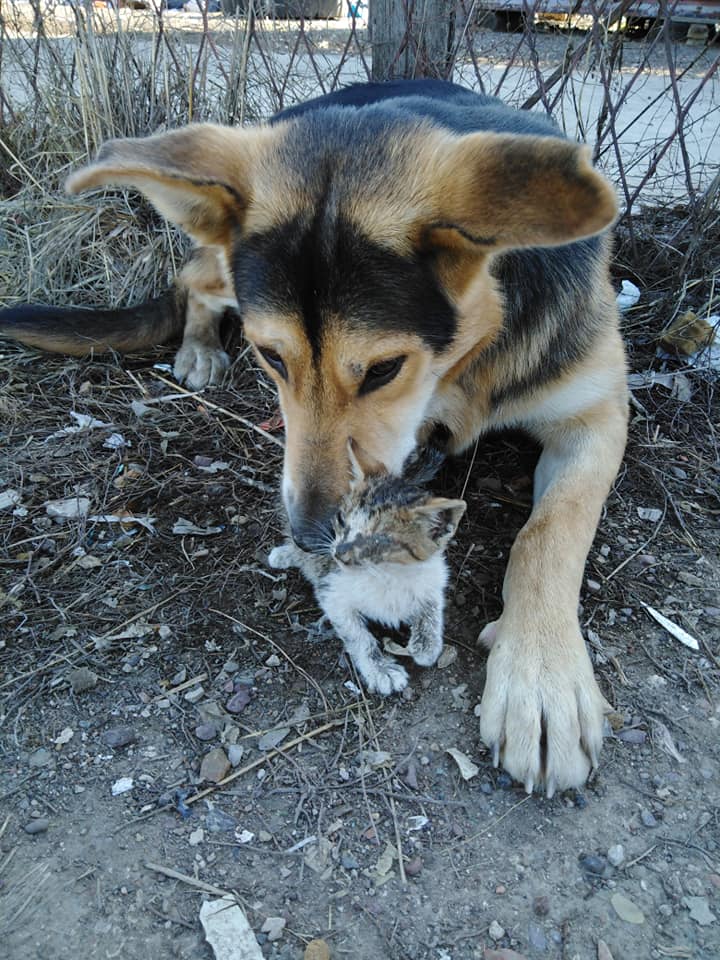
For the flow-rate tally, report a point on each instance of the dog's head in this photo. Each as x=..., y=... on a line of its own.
x=359, y=256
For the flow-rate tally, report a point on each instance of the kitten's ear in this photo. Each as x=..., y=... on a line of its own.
x=444, y=516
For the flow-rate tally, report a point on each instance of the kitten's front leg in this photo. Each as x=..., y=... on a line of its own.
x=426, y=633
x=379, y=674
x=285, y=556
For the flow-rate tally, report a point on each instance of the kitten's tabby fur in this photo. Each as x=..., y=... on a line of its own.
x=385, y=563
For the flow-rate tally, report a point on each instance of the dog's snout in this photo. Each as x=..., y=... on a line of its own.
x=311, y=529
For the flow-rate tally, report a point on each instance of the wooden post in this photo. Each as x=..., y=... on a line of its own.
x=412, y=38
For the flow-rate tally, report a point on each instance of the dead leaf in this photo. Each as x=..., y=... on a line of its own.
x=603, y=951
x=468, y=769
x=626, y=909
x=672, y=628
x=386, y=860
x=665, y=741
x=125, y=518
x=271, y=739
x=699, y=910
x=183, y=528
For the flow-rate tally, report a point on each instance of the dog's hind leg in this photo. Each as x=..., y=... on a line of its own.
x=201, y=360
x=542, y=710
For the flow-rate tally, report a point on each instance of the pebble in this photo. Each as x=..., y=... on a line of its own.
x=496, y=931
x=486, y=787
x=580, y=801
x=447, y=657
x=118, y=737
x=414, y=867
x=40, y=757
x=123, y=785
x=274, y=927
x=195, y=694
x=665, y=910
x=594, y=864
x=648, y=819
x=504, y=781
x=235, y=754
x=632, y=736
x=541, y=905
x=37, y=826
x=239, y=700
x=536, y=937
x=214, y=766
x=196, y=837
x=218, y=822
x=82, y=679
x=317, y=950
x=349, y=862
x=616, y=854
x=206, y=731
x=273, y=661
x=593, y=586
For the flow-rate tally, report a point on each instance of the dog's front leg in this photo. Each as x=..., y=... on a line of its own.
x=542, y=711
x=201, y=360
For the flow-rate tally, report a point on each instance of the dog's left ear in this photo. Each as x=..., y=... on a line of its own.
x=199, y=177
x=506, y=191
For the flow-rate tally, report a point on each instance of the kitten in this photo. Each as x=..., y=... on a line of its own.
x=384, y=562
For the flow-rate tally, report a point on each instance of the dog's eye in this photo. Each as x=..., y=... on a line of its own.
x=381, y=373
x=274, y=360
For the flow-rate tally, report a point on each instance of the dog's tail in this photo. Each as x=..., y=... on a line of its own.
x=82, y=332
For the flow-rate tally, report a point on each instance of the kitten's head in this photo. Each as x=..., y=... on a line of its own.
x=389, y=519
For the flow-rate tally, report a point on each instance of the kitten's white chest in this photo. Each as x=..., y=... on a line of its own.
x=386, y=592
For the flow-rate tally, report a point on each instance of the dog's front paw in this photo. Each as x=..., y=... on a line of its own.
x=199, y=365
x=383, y=675
x=542, y=710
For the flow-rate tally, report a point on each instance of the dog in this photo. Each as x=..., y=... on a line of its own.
x=407, y=256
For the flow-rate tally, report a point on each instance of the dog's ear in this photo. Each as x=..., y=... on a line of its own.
x=505, y=191
x=199, y=177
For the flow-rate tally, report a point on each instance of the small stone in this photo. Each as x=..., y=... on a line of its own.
x=235, y=753
x=501, y=889
x=504, y=781
x=447, y=657
x=196, y=837
x=414, y=867
x=496, y=931
x=264, y=836
x=632, y=736
x=123, y=785
x=195, y=694
x=536, y=937
x=239, y=700
x=117, y=737
x=699, y=910
x=206, y=731
x=580, y=801
x=37, y=826
x=626, y=909
x=274, y=927
x=648, y=819
x=271, y=739
x=616, y=854
x=215, y=765
x=541, y=905
x=82, y=679
x=594, y=865
x=665, y=910
x=317, y=950
x=349, y=862
x=40, y=757
x=593, y=586
x=219, y=822
x=272, y=661
x=603, y=951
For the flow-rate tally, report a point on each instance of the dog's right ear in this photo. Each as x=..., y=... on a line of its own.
x=199, y=177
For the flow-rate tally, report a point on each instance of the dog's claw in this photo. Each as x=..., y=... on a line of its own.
x=550, y=790
x=529, y=785
x=496, y=754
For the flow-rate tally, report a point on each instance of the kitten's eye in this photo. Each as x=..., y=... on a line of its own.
x=274, y=360
x=381, y=373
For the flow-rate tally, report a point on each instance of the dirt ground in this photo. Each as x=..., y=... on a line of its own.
x=187, y=643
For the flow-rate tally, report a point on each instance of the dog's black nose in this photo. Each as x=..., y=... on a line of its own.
x=311, y=535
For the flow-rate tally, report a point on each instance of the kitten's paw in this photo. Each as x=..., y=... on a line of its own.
x=282, y=557
x=425, y=650
x=383, y=676
x=199, y=365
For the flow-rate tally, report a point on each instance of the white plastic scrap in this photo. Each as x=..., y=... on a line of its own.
x=628, y=296
x=83, y=421
x=672, y=628
x=709, y=357
x=227, y=930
